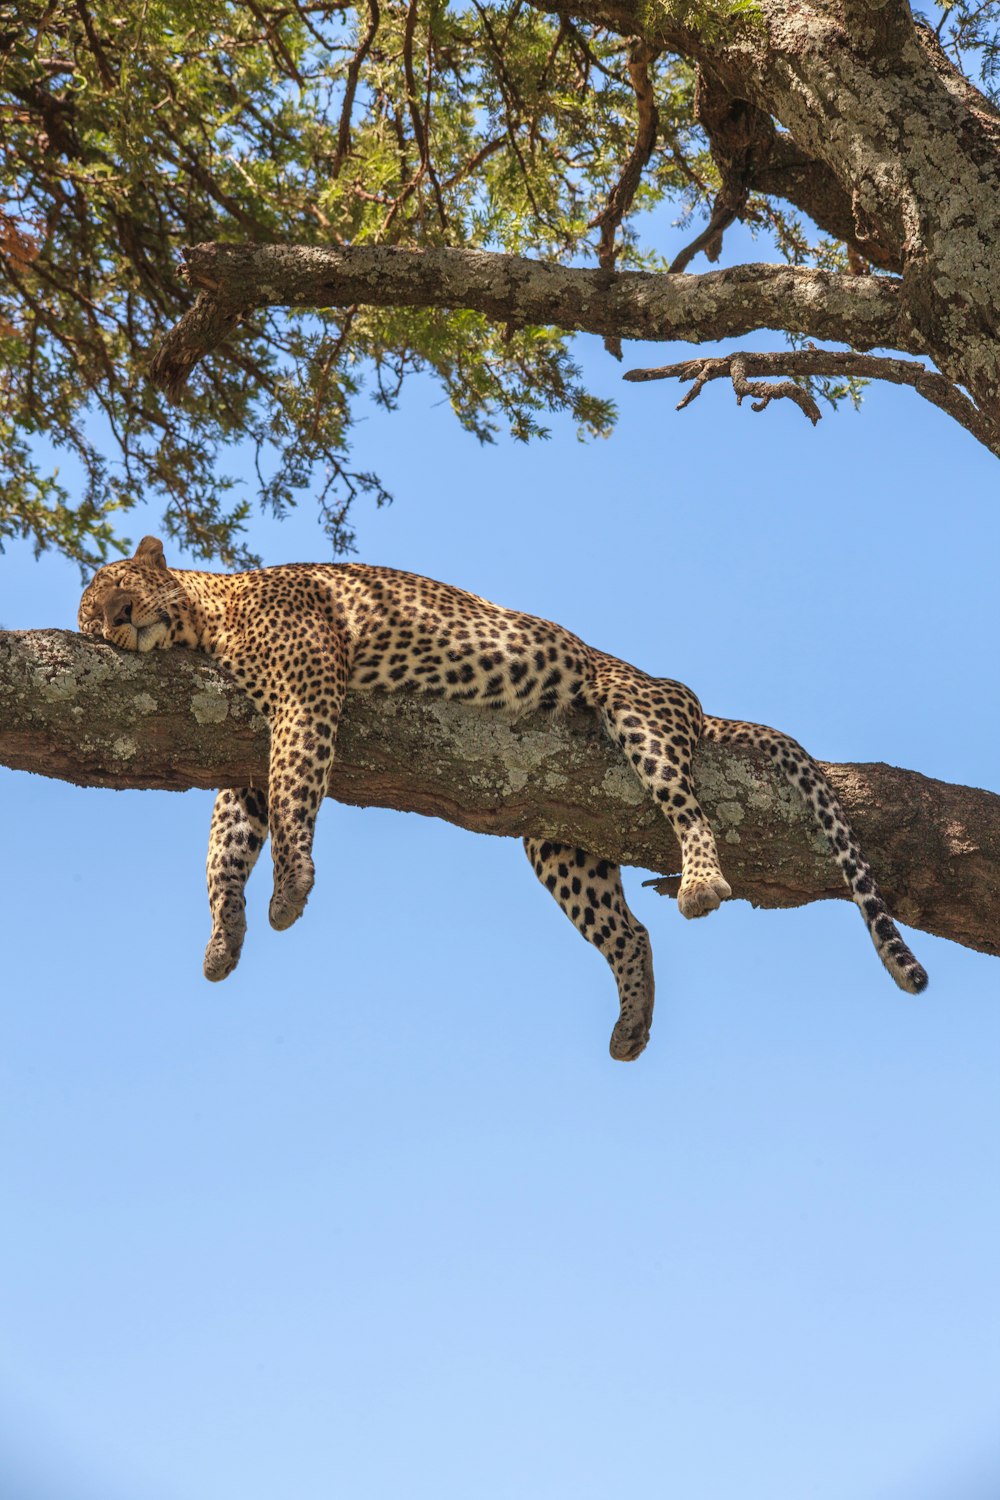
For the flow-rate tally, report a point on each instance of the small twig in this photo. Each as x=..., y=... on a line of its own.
x=475, y=160
x=624, y=190
x=701, y=371
x=108, y=78
x=727, y=208
x=620, y=199
x=350, y=88
x=741, y=368
x=417, y=119
x=275, y=41
x=765, y=394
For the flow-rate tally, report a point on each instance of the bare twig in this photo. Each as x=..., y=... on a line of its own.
x=799, y=364
x=727, y=208
x=350, y=88
x=475, y=160
x=744, y=386
x=620, y=200
x=417, y=120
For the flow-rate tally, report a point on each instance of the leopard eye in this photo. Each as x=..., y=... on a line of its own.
x=124, y=615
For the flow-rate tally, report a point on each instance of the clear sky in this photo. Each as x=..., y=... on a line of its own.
x=379, y=1217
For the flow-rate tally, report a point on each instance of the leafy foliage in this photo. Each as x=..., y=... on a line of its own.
x=969, y=33
x=130, y=129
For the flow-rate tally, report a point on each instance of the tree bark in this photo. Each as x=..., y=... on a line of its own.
x=79, y=710
x=861, y=310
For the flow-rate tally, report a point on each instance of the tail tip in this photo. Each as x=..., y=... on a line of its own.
x=910, y=976
x=919, y=978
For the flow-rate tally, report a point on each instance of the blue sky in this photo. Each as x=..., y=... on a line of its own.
x=379, y=1216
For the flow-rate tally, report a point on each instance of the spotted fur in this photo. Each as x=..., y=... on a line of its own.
x=297, y=638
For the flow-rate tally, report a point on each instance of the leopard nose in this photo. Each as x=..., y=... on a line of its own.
x=118, y=609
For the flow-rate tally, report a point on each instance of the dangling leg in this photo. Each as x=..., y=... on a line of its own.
x=303, y=739
x=657, y=724
x=236, y=837
x=589, y=890
x=302, y=746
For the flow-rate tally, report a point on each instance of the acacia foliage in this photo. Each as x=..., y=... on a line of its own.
x=130, y=129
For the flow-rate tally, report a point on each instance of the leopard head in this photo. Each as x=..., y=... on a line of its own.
x=138, y=603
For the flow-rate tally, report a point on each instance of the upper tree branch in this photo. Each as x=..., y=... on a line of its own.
x=864, y=311
x=171, y=720
x=879, y=27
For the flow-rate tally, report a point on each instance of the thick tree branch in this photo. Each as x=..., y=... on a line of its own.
x=865, y=311
x=879, y=28
x=81, y=711
x=787, y=172
x=752, y=155
x=800, y=364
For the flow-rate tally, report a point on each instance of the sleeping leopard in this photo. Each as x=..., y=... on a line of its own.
x=297, y=638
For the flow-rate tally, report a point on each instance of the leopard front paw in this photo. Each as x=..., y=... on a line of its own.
x=628, y=1039
x=290, y=897
x=702, y=894
x=226, y=943
x=221, y=957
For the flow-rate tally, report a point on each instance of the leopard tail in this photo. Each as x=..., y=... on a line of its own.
x=805, y=776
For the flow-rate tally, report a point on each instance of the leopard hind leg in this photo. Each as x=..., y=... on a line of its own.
x=311, y=688
x=589, y=890
x=799, y=768
x=657, y=724
x=236, y=837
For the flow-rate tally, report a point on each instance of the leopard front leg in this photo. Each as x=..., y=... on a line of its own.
x=589, y=890
x=235, y=839
x=298, y=677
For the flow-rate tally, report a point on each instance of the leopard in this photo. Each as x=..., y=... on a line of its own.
x=298, y=637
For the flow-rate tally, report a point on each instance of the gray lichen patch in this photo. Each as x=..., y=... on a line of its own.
x=522, y=753
x=144, y=703
x=59, y=672
x=623, y=785
x=209, y=706
x=735, y=781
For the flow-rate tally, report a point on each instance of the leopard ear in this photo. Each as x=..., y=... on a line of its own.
x=150, y=552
